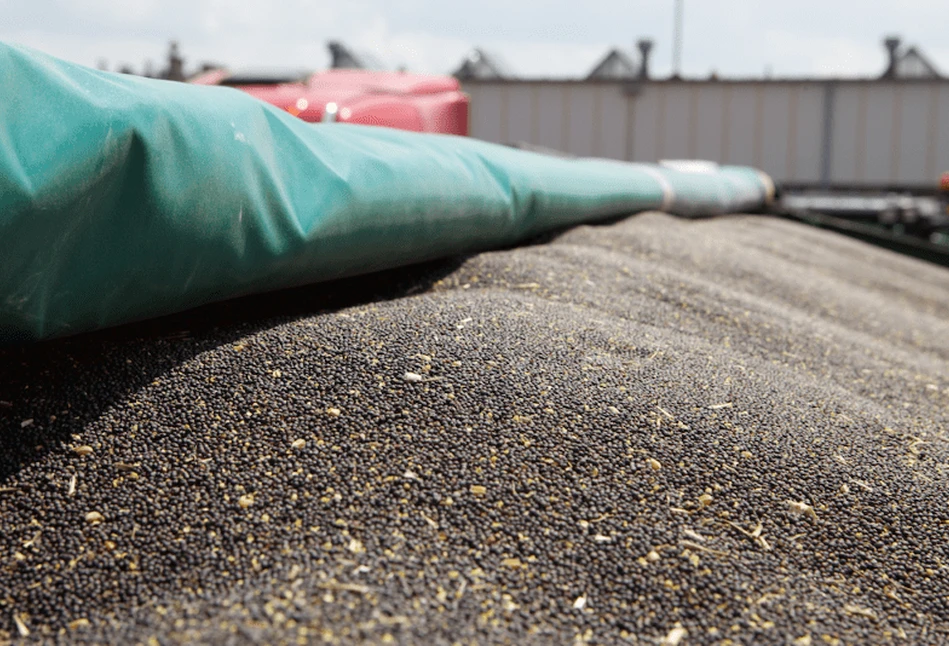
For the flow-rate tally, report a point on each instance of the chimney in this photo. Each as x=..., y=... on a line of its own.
x=645, y=47
x=892, y=44
x=176, y=68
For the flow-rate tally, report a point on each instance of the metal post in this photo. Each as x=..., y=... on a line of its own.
x=677, y=39
x=827, y=136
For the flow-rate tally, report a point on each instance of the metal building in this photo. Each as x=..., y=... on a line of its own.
x=891, y=131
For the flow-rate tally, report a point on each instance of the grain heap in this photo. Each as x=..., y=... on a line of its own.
x=658, y=431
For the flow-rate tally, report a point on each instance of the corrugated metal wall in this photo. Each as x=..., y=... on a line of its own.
x=809, y=132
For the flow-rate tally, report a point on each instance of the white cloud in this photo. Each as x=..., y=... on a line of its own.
x=535, y=38
x=425, y=52
x=120, y=51
x=550, y=60
x=128, y=12
x=847, y=58
x=825, y=56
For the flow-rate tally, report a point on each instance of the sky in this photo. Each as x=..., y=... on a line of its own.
x=534, y=38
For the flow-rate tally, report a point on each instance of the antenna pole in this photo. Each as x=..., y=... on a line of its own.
x=677, y=39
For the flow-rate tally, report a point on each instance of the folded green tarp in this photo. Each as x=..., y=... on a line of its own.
x=123, y=198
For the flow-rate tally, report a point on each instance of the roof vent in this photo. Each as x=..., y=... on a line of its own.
x=892, y=44
x=645, y=48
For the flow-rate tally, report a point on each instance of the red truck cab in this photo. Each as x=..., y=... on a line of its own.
x=417, y=102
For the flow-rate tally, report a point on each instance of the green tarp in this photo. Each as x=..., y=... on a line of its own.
x=123, y=198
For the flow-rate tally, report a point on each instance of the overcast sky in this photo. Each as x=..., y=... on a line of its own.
x=534, y=38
